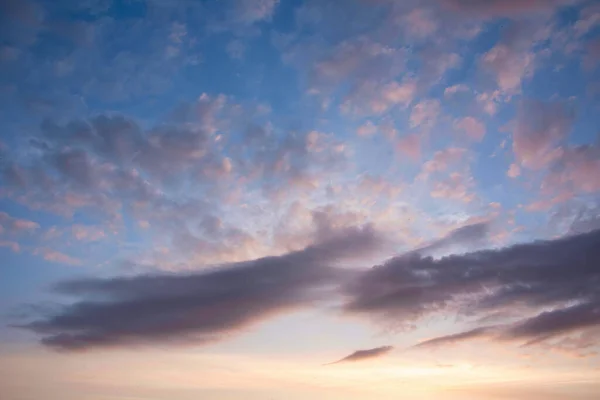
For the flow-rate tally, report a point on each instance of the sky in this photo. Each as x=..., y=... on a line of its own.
x=291, y=199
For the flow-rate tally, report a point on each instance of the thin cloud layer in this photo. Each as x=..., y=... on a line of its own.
x=199, y=307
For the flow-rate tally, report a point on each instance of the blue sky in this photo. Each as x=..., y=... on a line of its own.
x=213, y=182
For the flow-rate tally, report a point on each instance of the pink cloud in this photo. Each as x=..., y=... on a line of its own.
x=498, y=8
x=87, y=233
x=452, y=90
x=425, y=113
x=474, y=128
x=444, y=159
x=540, y=127
x=509, y=66
x=455, y=187
x=14, y=246
x=57, y=257
x=577, y=171
x=16, y=225
x=410, y=146
x=380, y=99
x=514, y=171
x=420, y=23
x=367, y=129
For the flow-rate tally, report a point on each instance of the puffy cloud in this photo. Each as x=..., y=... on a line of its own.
x=367, y=129
x=546, y=289
x=540, y=128
x=13, y=225
x=454, y=89
x=87, y=233
x=474, y=129
x=197, y=307
x=14, y=246
x=425, y=113
x=362, y=355
x=410, y=146
x=251, y=11
x=457, y=186
x=509, y=66
x=514, y=171
x=57, y=257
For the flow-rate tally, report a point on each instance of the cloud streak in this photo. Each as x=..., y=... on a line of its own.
x=363, y=355
x=198, y=307
x=547, y=288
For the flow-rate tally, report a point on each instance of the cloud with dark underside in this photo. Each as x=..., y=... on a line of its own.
x=198, y=307
x=363, y=355
x=545, y=290
x=465, y=235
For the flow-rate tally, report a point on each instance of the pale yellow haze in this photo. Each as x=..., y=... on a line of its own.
x=184, y=374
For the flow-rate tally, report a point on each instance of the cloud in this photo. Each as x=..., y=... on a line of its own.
x=547, y=289
x=513, y=171
x=251, y=11
x=14, y=246
x=87, y=233
x=13, y=225
x=464, y=235
x=410, y=146
x=425, y=113
x=57, y=257
x=499, y=8
x=540, y=128
x=474, y=129
x=197, y=307
x=366, y=129
x=362, y=355
x=452, y=339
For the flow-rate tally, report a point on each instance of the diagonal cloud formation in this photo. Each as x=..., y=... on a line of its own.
x=544, y=290
x=198, y=307
x=362, y=355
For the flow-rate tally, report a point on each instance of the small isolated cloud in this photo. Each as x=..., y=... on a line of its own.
x=454, y=89
x=513, y=171
x=362, y=355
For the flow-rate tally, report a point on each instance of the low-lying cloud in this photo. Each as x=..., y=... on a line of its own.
x=197, y=307
x=362, y=355
x=539, y=291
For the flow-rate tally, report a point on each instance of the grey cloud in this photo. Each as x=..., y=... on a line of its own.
x=548, y=287
x=455, y=338
x=465, y=235
x=362, y=355
x=197, y=307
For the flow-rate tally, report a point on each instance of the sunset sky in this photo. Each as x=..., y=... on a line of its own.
x=291, y=200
